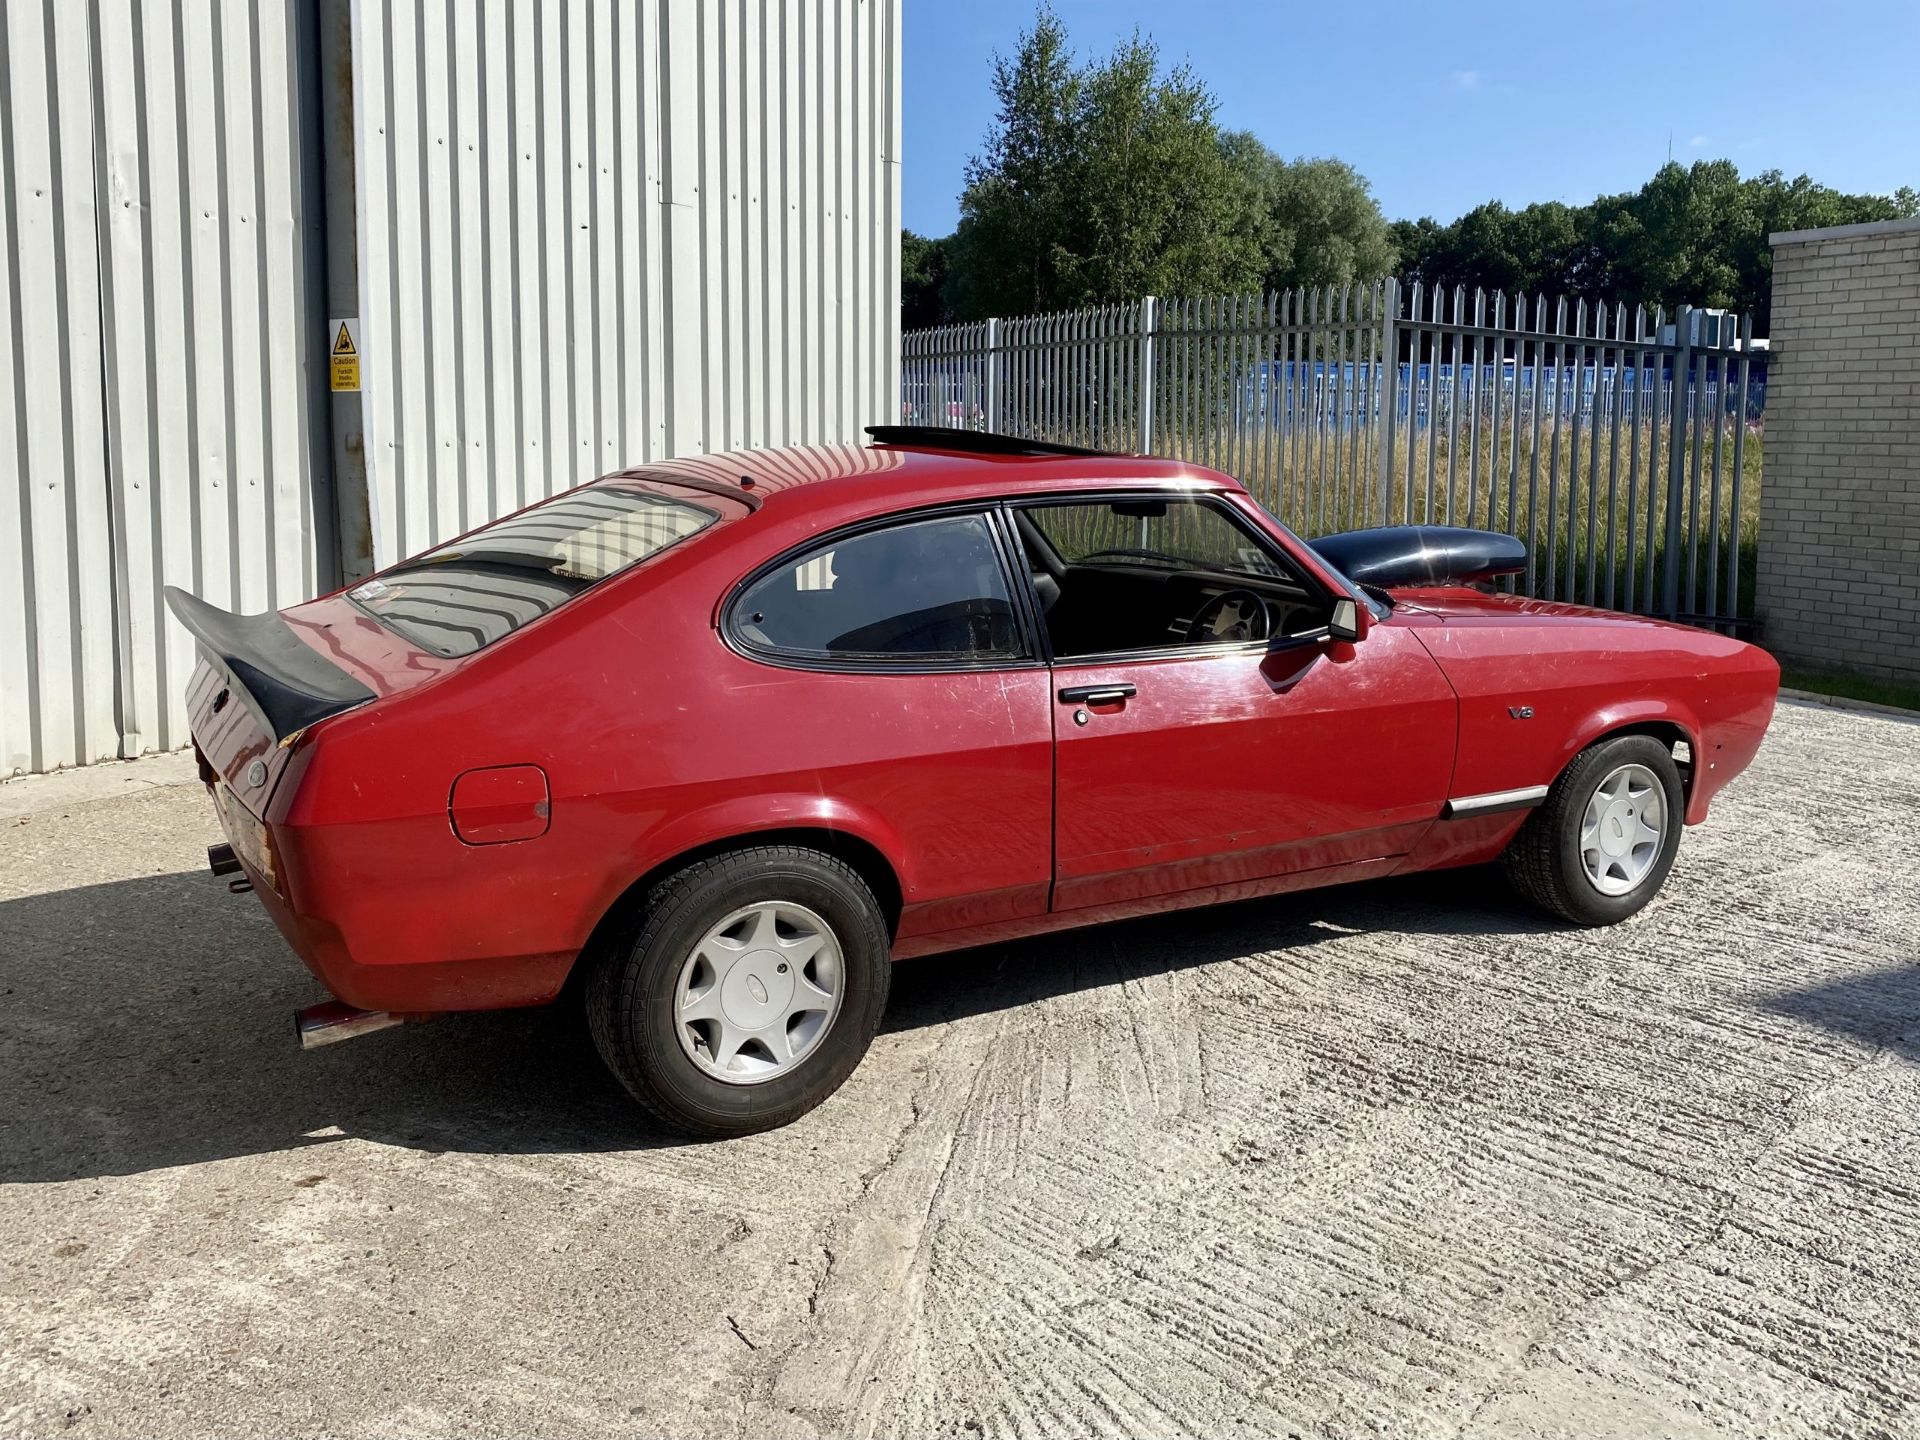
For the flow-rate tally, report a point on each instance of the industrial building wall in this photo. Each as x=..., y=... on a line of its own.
x=604, y=233
x=154, y=409
x=589, y=234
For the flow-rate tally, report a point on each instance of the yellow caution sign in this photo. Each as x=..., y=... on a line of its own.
x=345, y=356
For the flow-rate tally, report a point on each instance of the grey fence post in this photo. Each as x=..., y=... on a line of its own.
x=1676, y=459
x=347, y=512
x=1149, y=322
x=993, y=375
x=1389, y=388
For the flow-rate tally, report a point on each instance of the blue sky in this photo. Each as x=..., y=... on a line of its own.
x=1442, y=105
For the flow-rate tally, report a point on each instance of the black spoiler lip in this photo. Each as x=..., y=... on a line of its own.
x=291, y=684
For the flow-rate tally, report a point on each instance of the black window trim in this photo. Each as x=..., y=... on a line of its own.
x=1018, y=583
x=1187, y=651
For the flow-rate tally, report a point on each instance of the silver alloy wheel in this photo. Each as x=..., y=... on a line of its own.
x=1624, y=829
x=759, y=992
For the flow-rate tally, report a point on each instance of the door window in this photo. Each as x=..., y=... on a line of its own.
x=1181, y=534
x=925, y=590
x=1155, y=572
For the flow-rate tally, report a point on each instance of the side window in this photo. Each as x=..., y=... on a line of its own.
x=1185, y=533
x=923, y=590
x=1157, y=572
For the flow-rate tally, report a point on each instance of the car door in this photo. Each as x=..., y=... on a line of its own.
x=884, y=675
x=1180, y=767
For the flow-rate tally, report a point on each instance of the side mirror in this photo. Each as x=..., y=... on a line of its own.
x=1349, y=622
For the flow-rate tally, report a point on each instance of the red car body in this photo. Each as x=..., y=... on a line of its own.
x=456, y=841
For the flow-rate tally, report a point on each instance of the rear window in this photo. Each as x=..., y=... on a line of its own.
x=483, y=587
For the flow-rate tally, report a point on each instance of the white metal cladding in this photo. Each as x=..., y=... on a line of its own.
x=153, y=401
x=592, y=234
x=604, y=233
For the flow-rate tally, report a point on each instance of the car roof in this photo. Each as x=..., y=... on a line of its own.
x=879, y=478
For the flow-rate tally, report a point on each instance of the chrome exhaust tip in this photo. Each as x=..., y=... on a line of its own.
x=335, y=1021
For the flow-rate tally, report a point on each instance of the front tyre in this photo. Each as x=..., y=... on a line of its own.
x=1600, y=846
x=749, y=992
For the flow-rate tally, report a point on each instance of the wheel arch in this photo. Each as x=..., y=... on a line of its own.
x=1663, y=723
x=859, y=852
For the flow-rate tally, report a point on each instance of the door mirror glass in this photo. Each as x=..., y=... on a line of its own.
x=1348, y=621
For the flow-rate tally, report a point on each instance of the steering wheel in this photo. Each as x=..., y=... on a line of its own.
x=1232, y=617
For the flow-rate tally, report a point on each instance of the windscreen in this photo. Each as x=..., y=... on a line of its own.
x=486, y=585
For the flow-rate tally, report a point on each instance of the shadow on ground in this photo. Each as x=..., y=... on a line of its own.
x=146, y=1023
x=1881, y=1008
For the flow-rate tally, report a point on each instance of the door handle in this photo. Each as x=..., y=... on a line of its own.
x=1097, y=694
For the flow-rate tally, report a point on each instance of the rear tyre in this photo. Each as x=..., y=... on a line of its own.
x=1600, y=847
x=747, y=993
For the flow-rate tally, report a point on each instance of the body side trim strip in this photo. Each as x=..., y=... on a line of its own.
x=1525, y=798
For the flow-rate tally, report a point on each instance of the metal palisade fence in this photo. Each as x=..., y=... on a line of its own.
x=1621, y=444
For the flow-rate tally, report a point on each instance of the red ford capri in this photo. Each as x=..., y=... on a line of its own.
x=729, y=735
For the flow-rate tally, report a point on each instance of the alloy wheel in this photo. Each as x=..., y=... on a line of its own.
x=1624, y=829
x=759, y=992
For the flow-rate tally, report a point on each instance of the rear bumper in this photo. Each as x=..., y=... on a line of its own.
x=426, y=988
x=421, y=988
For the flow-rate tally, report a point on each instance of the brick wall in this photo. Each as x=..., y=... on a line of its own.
x=1838, y=581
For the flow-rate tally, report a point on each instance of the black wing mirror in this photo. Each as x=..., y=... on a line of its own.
x=1349, y=621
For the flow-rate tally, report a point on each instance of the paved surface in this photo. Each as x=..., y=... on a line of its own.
x=1396, y=1159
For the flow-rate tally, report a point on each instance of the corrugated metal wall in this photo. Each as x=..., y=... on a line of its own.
x=602, y=233
x=591, y=234
x=153, y=420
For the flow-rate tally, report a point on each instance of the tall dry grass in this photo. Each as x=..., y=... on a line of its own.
x=1589, y=506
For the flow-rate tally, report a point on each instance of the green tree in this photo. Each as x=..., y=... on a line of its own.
x=1779, y=205
x=1673, y=242
x=1310, y=222
x=923, y=275
x=1694, y=235
x=1015, y=202
x=1422, y=247
x=1099, y=182
x=1537, y=248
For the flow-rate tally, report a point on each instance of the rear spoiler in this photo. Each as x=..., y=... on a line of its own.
x=291, y=685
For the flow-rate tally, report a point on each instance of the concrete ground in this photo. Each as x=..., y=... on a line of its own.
x=1395, y=1159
